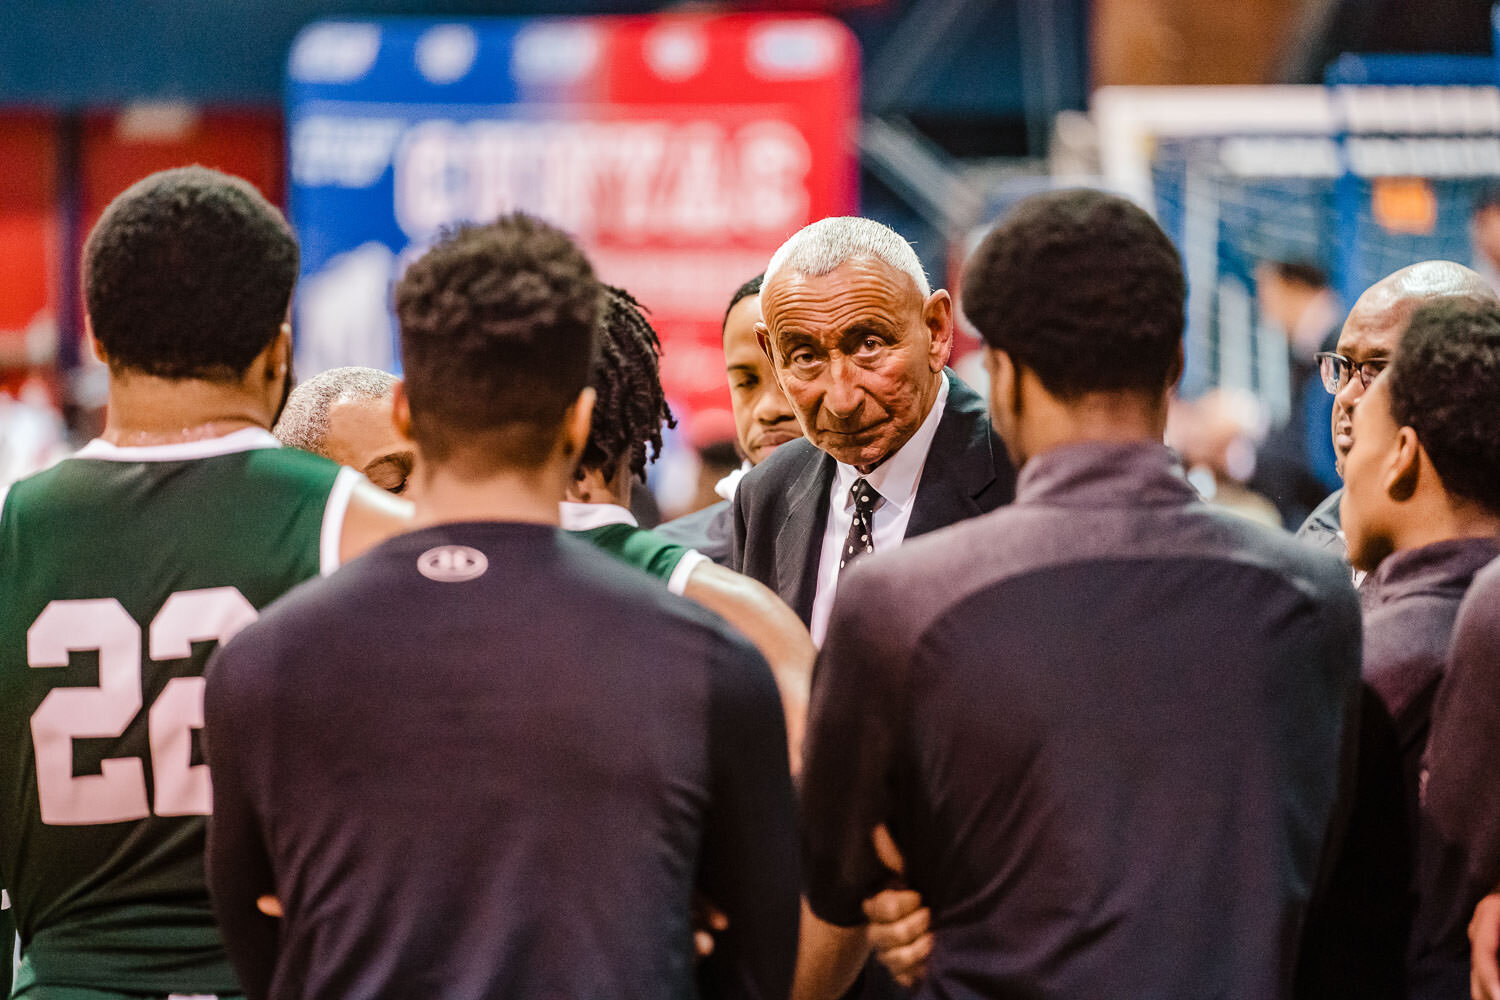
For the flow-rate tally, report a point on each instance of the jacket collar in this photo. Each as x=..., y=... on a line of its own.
x=1442, y=569
x=1105, y=474
x=960, y=464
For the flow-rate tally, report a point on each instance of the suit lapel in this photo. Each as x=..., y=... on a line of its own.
x=960, y=463
x=799, y=543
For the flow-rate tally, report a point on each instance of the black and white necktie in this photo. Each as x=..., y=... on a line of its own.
x=862, y=528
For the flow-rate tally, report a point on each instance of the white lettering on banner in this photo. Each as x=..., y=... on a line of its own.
x=634, y=181
x=342, y=152
x=1369, y=156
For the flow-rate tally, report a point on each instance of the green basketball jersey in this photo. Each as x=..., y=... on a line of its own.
x=614, y=530
x=120, y=569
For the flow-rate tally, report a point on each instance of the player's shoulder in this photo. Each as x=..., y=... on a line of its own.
x=1485, y=590
x=1314, y=569
x=621, y=582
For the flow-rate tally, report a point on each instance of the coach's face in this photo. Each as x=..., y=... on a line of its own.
x=1379, y=461
x=362, y=434
x=859, y=352
x=1369, y=336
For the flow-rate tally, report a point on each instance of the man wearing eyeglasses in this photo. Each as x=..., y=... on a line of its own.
x=1369, y=337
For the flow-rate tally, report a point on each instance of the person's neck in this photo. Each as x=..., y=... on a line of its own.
x=1440, y=519
x=1099, y=418
x=528, y=496
x=150, y=410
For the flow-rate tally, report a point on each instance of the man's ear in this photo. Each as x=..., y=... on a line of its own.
x=401, y=410
x=763, y=338
x=576, y=423
x=1179, y=362
x=279, y=357
x=98, y=348
x=1404, y=469
x=1005, y=382
x=937, y=316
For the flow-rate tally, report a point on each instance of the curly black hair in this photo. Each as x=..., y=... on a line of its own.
x=631, y=407
x=1082, y=288
x=1445, y=384
x=499, y=329
x=188, y=274
x=749, y=288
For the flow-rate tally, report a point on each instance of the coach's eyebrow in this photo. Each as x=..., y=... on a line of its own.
x=390, y=472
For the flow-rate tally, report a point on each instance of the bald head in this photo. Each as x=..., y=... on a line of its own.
x=1403, y=292
x=1381, y=315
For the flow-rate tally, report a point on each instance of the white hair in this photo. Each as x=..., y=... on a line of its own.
x=304, y=421
x=828, y=244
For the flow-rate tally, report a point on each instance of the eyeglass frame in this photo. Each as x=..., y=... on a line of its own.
x=1367, y=371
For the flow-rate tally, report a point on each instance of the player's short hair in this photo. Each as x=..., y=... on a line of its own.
x=499, y=328
x=1444, y=384
x=630, y=406
x=1083, y=289
x=825, y=246
x=304, y=420
x=749, y=288
x=188, y=274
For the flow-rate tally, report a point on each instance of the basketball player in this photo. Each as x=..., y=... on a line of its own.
x=488, y=760
x=120, y=568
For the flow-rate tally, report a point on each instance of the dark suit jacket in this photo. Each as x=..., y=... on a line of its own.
x=781, y=506
x=707, y=530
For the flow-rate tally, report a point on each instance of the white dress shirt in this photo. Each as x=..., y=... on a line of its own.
x=896, y=480
x=725, y=487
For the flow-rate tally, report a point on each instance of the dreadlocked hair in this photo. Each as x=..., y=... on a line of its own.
x=630, y=407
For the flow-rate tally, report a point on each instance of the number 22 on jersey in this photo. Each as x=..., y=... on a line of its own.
x=118, y=792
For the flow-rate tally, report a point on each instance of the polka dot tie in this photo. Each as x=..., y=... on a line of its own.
x=862, y=529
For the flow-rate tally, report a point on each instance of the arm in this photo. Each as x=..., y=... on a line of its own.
x=900, y=926
x=760, y=616
x=855, y=716
x=1458, y=845
x=237, y=863
x=748, y=863
x=1484, y=942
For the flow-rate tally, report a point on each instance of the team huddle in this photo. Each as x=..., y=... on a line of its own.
x=373, y=687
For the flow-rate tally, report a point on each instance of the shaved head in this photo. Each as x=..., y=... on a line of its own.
x=1381, y=315
x=1414, y=286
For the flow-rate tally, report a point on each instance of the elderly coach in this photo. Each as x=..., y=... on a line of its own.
x=895, y=444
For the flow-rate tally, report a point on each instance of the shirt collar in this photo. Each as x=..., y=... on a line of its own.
x=1442, y=567
x=1105, y=474
x=588, y=516
x=725, y=487
x=896, y=478
x=245, y=439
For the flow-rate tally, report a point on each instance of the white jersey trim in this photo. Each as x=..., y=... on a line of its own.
x=249, y=439
x=691, y=560
x=333, y=519
x=575, y=516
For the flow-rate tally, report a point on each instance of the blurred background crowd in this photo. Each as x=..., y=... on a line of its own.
x=1295, y=150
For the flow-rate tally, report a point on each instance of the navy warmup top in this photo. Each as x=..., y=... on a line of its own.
x=488, y=760
x=1458, y=847
x=1108, y=727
